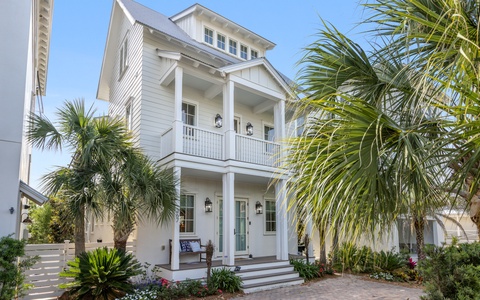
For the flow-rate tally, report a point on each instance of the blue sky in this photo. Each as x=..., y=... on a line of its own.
x=80, y=29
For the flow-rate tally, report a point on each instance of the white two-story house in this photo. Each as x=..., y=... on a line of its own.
x=201, y=98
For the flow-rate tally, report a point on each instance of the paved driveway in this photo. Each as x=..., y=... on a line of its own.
x=346, y=287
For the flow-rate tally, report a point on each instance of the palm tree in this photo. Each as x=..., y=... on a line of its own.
x=91, y=141
x=445, y=38
x=365, y=155
x=106, y=173
x=134, y=189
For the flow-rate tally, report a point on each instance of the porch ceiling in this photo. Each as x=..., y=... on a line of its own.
x=239, y=178
x=258, y=103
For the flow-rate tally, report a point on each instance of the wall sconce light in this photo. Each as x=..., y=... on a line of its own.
x=11, y=210
x=249, y=128
x=208, y=205
x=218, y=121
x=258, y=208
x=26, y=206
x=27, y=220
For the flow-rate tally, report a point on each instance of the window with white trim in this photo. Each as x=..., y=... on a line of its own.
x=232, y=47
x=221, y=41
x=243, y=51
x=268, y=133
x=253, y=54
x=270, y=216
x=123, y=62
x=189, y=117
x=187, y=214
x=208, y=36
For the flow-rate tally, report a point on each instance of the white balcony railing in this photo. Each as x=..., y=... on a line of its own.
x=256, y=151
x=209, y=144
x=201, y=142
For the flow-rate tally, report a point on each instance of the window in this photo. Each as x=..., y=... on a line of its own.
x=407, y=237
x=208, y=36
x=269, y=133
x=187, y=213
x=123, y=57
x=221, y=41
x=253, y=54
x=188, y=118
x=270, y=216
x=243, y=51
x=128, y=116
x=232, y=47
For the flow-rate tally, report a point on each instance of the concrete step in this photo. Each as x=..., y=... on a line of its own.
x=264, y=265
x=263, y=271
x=251, y=288
x=261, y=279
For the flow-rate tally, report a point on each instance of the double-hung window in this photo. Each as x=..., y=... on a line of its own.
x=123, y=56
x=208, y=37
x=189, y=117
x=232, y=47
x=243, y=51
x=253, y=54
x=187, y=214
x=270, y=216
x=221, y=41
x=269, y=135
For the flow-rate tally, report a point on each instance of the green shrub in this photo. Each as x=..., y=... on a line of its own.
x=306, y=270
x=225, y=280
x=11, y=276
x=101, y=274
x=388, y=261
x=451, y=272
x=349, y=257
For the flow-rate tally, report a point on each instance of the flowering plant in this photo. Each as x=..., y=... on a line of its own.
x=411, y=263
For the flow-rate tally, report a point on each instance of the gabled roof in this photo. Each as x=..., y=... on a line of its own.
x=32, y=194
x=281, y=79
x=137, y=13
x=200, y=9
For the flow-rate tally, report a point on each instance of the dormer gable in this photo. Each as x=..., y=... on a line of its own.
x=209, y=28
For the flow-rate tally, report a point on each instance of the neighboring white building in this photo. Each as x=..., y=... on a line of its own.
x=172, y=79
x=25, y=32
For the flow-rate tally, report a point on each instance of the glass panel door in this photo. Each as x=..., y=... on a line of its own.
x=241, y=231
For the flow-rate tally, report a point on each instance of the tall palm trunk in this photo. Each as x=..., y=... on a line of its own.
x=80, y=231
x=323, y=252
x=419, y=226
x=121, y=232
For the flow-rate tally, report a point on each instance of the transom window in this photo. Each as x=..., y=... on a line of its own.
x=232, y=47
x=187, y=213
x=221, y=41
x=253, y=54
x=208, y=37
x=243, y=51
x=270, y=216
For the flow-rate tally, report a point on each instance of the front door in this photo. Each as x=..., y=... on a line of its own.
x=241, y=226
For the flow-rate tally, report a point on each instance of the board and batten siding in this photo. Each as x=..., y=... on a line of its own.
x=128, y=86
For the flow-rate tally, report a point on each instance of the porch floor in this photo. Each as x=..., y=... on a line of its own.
x=217, y=263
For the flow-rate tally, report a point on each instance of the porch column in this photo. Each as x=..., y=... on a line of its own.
x=178, y=121
x=175, y=263
x=309, y=231
x=228, y=114
x=282, y=220
x=229, y=219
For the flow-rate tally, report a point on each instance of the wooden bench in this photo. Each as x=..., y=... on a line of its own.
x=182, y=253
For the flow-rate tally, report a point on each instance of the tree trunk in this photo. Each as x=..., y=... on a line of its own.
x=323, y=250
x=80, y=231
x=419, y=225
x=121, y=232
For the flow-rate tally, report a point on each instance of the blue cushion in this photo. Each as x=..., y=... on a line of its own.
x=185, y=246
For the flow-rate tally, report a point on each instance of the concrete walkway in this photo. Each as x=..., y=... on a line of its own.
x=346, y=287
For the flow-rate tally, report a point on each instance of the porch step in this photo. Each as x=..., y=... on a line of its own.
x=265, y=276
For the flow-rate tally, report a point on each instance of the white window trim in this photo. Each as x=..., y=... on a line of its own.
x=265, y=232
x=240, y=52
x=197, y=106
x=194, y=233
x=250, y=54
x=263, y=130
x=236, y=47
x=123, y=63
x=225, y=42
x=213, y=36
x=129, y=116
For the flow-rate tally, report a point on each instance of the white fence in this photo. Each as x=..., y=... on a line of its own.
x=201, y=142
x=44, y=275
x=256, y=151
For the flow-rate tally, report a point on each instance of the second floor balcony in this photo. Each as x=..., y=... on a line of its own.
x=200, y=142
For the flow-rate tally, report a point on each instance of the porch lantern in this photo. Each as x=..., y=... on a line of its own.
x=208, y=205
x=218, y=121
x=27, y=220
x=249, y=128
x=258, y=208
